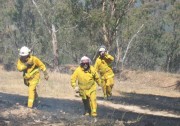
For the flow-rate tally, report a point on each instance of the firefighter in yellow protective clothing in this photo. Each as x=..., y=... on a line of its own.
x=30, y=66
x=103, y=66
x=87, y=77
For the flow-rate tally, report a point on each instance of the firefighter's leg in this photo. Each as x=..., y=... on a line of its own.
x=109, y=86
x=89, y=105
x=82, y=93
x=93, y=103
x=31, y=92
x=36, y=94
x=36, y=98
x=104, y=89
x=26, y=82
x=87, y=109
x=109, y=92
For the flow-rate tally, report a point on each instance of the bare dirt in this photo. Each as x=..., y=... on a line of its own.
x=140, y=99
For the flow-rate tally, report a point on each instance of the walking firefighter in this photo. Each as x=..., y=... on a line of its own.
x=30, y=66
x=87, y=78
x=103, y=66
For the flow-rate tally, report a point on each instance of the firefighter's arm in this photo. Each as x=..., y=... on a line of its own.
x=46, y=76
x=42, y=66
x=97, y=78
x=96, y=65
x=74, y=78
x=109, y=57
x=21, y=66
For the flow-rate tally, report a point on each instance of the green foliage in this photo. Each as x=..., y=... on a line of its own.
x=79, y=31
x=157, y=45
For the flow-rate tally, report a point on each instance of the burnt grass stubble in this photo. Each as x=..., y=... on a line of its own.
x=59, y=112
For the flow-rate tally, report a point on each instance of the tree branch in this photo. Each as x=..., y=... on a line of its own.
x=130, y=43
x=41, y=16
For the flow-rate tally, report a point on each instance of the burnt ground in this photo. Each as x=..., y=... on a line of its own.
x=68, y=112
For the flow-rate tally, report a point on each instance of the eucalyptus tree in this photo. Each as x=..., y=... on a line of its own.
x=144, y=51
x=34, y=24
x=171, y=39
x=8, y=34
x=103, y=19
x=157, y=46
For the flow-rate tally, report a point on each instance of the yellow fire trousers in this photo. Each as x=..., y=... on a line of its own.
x=91, y=96
x=32, y=94
x=107, y=86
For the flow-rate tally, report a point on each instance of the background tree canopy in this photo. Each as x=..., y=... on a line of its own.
x=81, y=26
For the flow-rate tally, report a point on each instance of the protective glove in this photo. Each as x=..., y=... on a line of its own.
x=76, y=89
x=46, y=76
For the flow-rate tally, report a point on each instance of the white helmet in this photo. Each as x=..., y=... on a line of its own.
x=24, y=51
x=85, y=59
x=102, y=49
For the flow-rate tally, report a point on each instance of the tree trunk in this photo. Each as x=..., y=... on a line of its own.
x=118, y=55
x=54, y=39
x=104, y=29
x=55, y=48
x=129, y=43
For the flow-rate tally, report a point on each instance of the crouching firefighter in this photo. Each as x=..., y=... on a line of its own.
x=87, y=78
x=30, y=66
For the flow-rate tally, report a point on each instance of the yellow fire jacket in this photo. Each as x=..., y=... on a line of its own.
x=86, y=79
x=31, y=67
x=103, y=66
